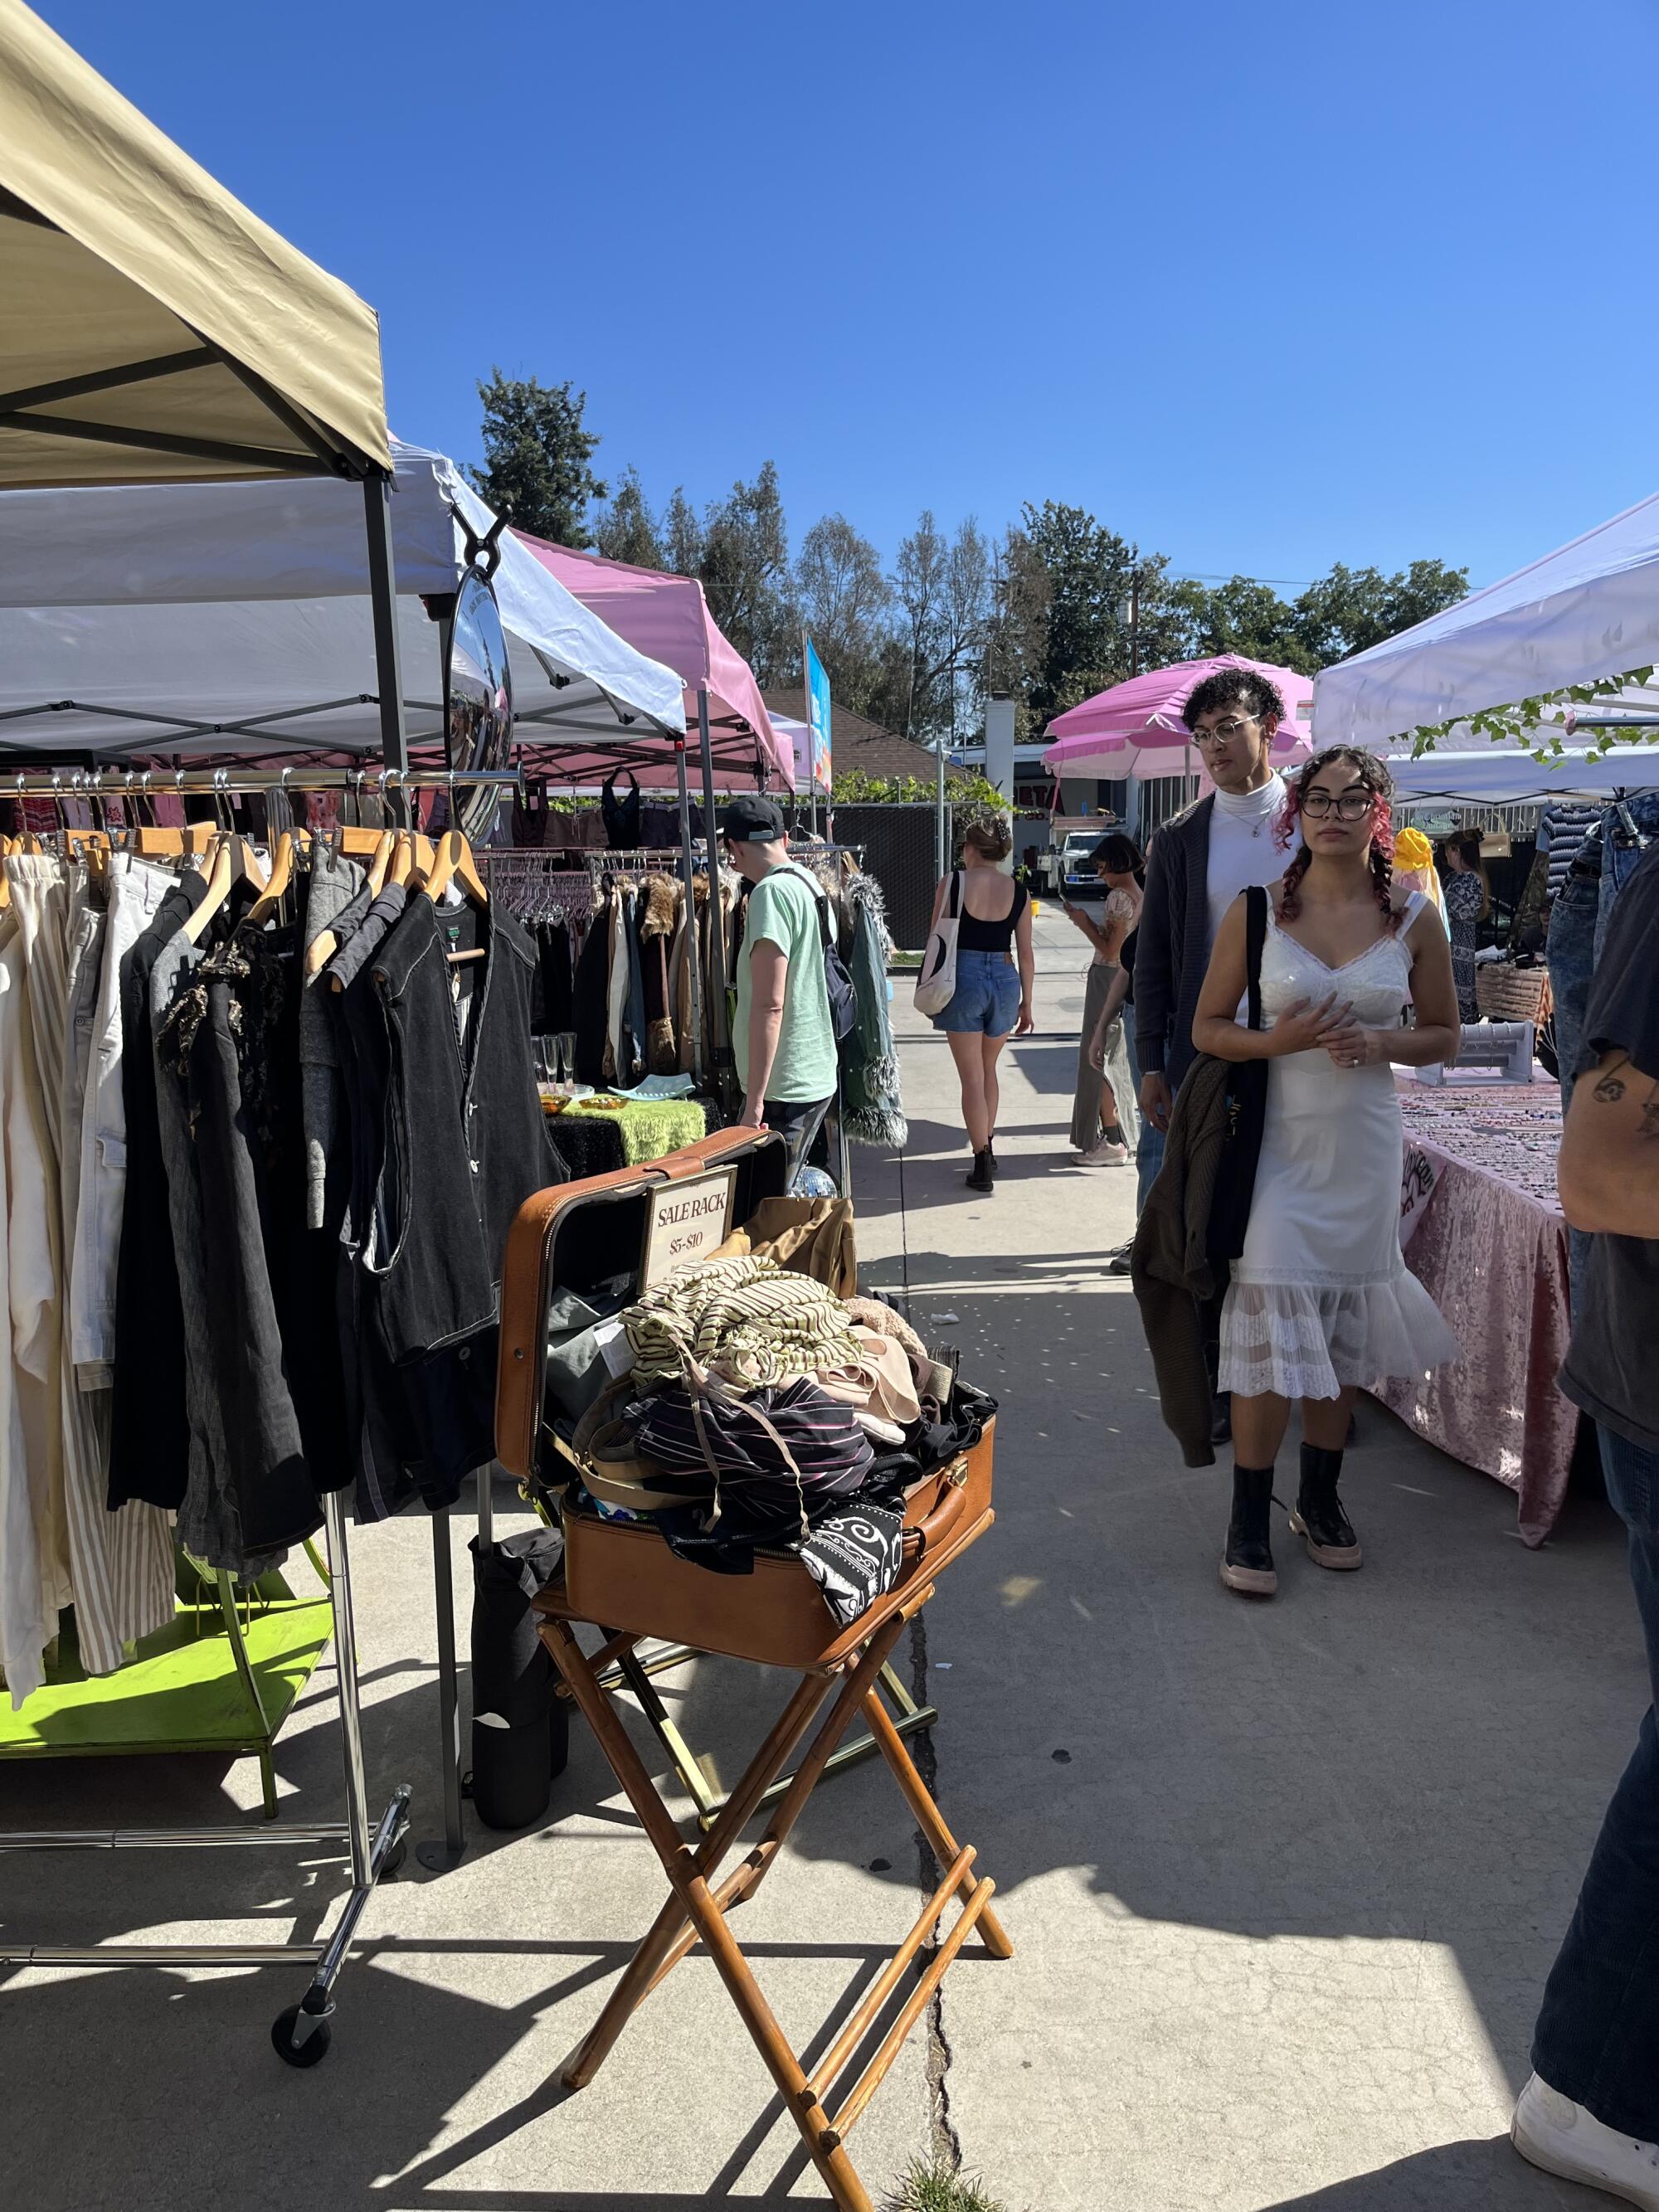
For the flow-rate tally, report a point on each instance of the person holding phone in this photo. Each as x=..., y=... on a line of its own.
x=1105, y=1119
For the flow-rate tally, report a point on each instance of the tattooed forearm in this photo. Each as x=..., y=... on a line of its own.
x=1610, y=1087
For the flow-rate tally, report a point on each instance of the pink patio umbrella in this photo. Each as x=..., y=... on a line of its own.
x=1135, y=728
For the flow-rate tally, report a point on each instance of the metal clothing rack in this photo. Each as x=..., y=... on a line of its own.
x=536, y=886
x=300, y=2035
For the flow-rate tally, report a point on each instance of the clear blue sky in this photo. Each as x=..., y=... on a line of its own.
x=1267, y=285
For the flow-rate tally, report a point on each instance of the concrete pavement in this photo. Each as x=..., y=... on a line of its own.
x=1284, y=1880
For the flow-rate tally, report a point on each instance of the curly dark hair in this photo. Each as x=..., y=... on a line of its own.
x=1376, y=778
x=1234, y=687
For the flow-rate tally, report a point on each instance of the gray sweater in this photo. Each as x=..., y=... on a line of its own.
x=1172, y=949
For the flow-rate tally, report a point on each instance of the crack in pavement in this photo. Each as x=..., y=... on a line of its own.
x=944, y=2142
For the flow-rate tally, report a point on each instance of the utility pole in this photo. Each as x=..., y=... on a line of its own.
x=1135, y=620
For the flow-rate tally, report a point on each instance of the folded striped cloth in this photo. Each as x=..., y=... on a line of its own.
x=749, y=1322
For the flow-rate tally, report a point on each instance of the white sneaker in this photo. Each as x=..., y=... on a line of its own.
x=1551, y=2131
x=1103, y=1155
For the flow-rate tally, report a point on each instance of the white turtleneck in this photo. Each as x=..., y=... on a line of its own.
x=1242, y=848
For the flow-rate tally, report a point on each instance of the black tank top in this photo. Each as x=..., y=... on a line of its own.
x=976, y=936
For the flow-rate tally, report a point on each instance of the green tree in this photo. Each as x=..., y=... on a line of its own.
x=537, y=457
x=682, y=535
x=627, y=530
x=1353, y=609
x=843, y=599
x=1015, y=631
x=944, y=591
x=745, y=566
x=1243, y=615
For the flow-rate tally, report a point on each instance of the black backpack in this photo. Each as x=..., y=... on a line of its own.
x=837, y=983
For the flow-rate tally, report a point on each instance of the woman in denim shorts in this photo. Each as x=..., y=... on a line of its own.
x=993, y=997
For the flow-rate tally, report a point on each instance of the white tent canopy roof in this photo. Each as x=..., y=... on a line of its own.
x=219, y=604
x=1589, y=611
x=1498, y=775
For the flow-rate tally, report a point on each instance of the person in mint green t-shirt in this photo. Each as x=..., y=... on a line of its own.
x=783, y=1039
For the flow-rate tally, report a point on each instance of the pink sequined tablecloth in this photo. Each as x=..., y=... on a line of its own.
x=1490, y=1246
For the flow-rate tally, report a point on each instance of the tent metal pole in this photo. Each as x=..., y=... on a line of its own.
x=438, y=1858
x=383, y=603
x=689, y=874
x=716, y=940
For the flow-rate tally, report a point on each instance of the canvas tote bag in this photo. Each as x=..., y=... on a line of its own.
x=936, y=985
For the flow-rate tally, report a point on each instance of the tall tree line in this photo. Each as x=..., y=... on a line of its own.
x=1048, y=609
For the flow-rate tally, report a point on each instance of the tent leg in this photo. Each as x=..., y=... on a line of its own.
x=383, y=603
x=689, y=872
x=716, y=977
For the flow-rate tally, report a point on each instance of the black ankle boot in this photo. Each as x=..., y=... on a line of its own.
x=982, y=1172
x=1319, y=1516
x=991, y=1155
x=1247, y=1565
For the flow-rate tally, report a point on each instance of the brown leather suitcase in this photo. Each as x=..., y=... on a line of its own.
x=576, y=1234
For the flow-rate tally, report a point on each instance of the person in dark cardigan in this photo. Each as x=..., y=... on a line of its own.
x=1196, y=867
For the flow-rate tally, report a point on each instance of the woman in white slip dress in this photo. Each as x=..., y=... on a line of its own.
x=1320, y=1302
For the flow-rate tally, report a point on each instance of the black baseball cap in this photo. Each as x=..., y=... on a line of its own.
x=753, y=820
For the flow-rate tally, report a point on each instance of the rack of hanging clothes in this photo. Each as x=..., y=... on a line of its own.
x=232, y=1307
x=650, y=988
x=554, y=903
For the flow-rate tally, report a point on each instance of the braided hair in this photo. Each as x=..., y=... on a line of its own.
x=1374, y=777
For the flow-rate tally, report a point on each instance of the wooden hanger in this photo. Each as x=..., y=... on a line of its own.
x=234, y=862
x=221, y=876
x=386, y=845
x=197, y=837
x=454, y=864
x=282, y=876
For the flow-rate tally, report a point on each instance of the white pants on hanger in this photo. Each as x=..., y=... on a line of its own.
x=120, y=1563
x=136, y=889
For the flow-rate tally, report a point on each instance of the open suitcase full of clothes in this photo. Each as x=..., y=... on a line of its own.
x=660, y=1469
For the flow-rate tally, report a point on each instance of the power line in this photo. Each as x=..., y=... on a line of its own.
x=1197, y=576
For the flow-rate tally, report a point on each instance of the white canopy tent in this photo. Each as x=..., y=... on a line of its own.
x=1501, y=776
x=1584, y=613
x=193, y=620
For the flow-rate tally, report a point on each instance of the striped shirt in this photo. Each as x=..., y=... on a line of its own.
x=1561, y=832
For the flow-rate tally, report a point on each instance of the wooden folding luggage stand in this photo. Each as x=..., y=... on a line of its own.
x=698, y=1911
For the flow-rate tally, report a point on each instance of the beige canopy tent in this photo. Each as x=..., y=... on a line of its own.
x=154, y=330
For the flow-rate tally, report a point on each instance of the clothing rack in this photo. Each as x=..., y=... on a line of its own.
x=301, y=2034
x=537, y=886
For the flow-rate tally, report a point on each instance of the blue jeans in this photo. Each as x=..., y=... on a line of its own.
x=1624, y=840
x=986, y=1001
x=1597, y=2038
x=1149, y=1151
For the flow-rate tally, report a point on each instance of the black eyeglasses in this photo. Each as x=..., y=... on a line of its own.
x=1350, y=806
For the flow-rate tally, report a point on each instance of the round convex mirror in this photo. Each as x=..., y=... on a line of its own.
x=478, y=690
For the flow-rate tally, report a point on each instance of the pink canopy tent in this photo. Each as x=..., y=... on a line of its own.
x=1135, y=728
x=667, y=618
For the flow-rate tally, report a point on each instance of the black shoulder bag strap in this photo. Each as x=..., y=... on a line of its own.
x=1255, y=937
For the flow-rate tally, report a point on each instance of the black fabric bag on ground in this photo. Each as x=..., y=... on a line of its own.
x=520, y=1730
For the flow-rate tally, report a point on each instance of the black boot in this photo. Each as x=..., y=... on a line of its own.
x=1247, y=1565
x=991, y=1155
x=1319, y=1516
x=980, y=1178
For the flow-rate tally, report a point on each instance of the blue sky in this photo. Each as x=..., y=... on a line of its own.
x=1266, y=285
